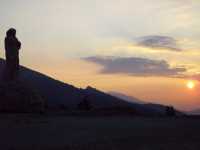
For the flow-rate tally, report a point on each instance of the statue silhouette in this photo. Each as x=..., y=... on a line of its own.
x=12, y=47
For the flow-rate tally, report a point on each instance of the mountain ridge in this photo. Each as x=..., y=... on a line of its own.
x=194, y=112
x=126, y=97
x=58, y=93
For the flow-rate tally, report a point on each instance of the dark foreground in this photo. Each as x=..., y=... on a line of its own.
x=34, y=132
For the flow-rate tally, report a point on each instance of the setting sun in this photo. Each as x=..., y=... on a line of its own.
x=190, y=84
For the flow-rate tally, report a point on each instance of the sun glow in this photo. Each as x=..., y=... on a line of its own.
x=190, y=84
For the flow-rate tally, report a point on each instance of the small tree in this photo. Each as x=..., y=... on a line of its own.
x=85, y=104
x=170, y=111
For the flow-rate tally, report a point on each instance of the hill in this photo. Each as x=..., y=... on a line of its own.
x=126, y=97
x=57, y=94
x=194, y=112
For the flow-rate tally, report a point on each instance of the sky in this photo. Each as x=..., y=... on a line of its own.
x=148, y=49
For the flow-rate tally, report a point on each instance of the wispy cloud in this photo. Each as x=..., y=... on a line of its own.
x=159, y=42
x=136, y=66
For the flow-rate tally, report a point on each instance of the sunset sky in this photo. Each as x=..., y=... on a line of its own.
x=149, y=49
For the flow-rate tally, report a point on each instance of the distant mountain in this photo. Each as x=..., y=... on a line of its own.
x=105, y=100
x=142, y=105
x=194, y=112
x=57, y=93
x=126, y=97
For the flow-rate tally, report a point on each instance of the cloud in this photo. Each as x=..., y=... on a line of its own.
x=135, y=66
x=159, y=42
x=195, y=77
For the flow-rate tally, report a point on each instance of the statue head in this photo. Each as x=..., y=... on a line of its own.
x=11, y=32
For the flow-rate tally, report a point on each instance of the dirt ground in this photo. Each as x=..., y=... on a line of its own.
x=61, y=132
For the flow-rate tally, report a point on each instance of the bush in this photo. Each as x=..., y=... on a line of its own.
x=85, y=104
x=170, y=111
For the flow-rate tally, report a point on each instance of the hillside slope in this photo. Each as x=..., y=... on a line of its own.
x=57, y=93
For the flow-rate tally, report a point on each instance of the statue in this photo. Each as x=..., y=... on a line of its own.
x=12, y=47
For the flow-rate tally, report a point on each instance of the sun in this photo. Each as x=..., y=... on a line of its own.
x=190, y=84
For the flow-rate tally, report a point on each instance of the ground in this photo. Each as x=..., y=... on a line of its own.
x=64, y=132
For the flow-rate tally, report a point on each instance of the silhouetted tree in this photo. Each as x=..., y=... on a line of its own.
x=12, y=46
x=170, y=111
x=85, y=104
